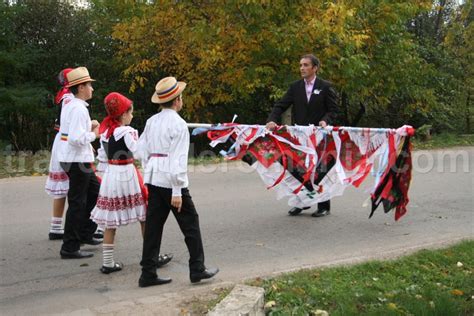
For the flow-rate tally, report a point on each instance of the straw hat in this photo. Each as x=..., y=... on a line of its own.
x=77, y=76
x=167, y=89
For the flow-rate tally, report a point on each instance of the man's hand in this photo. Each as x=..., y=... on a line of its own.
x=177, y=201
x=323, y=124
x=271, y=126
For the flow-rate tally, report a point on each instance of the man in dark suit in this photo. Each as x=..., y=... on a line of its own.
x=314, y=101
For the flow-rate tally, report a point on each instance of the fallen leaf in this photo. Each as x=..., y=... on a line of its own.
x=392, y=306
x=269, y=304
x=299, y=291
x=457, y=292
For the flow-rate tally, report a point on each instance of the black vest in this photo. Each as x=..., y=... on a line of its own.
x=117, y=150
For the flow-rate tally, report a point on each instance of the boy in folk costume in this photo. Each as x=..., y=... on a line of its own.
x=122, y=195
x=163, y=148
x=76, y=158
x=57, y=183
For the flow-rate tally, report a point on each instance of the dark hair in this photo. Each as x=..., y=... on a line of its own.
x=170, y=102
x=75, y=89
x=314, y=59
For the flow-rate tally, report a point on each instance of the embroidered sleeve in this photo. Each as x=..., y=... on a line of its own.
x=141, y=151
x=79, y=129
x=131, y=140
x=179, y=158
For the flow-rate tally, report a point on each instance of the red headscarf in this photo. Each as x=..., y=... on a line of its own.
x=115, y=105
x=62, y=78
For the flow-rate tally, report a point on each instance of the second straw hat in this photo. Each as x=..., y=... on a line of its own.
x=167, y=89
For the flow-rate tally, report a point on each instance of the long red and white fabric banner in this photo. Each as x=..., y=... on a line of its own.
x=310, y=164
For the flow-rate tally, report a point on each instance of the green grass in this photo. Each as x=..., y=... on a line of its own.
x=443, y=141
x=426, y=283
x=24, y=164
x=27, y=164
x=206, y=160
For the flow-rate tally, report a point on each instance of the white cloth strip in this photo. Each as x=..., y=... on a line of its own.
x=328, y=128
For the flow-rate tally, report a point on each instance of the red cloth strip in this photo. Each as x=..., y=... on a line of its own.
x=120, y=162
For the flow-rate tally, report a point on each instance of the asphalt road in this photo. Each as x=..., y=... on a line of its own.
x=246, y=233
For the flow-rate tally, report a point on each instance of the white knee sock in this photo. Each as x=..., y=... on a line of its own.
x=108, y=255
x=56, y=225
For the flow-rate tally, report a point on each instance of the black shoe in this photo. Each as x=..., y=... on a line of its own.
x=78, y=254
x=99, y=234
x=321, y=213
x=164, y=259
x=117, y=267
x=92, y=241
x=142, y=282
x=296, y=210
x=206, y=274
x=55, y=236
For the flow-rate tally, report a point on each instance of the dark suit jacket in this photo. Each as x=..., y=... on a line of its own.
x=321, y=107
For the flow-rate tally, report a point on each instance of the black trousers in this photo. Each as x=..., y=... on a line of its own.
x=82, y=197
x=159, y=206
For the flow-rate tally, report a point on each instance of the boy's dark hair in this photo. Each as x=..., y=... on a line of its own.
x=75, y=89
x=170, y=102
x=314, y=59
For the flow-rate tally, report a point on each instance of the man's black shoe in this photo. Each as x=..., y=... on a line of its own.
x=296, y=210
x=142, y=282
x=321, y=213
x=206, y=274
x=92, y=241
x=55, y=236
x=164, y=259
x=78, y=254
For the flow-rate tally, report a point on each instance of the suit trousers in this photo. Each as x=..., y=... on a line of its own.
x=82, y=197
x=159, y=206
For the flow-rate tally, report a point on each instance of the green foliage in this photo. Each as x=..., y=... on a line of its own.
x=443, y=140
x=25, y=117
x=427, y=283
x=409, y=62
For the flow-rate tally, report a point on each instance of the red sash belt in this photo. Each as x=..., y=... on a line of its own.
x=120, y=162
x=158, y=155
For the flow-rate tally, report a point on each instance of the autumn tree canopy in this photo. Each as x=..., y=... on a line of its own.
x=407, y=61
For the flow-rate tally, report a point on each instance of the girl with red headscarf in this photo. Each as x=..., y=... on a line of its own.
x=57, y=183
x=122, y=197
